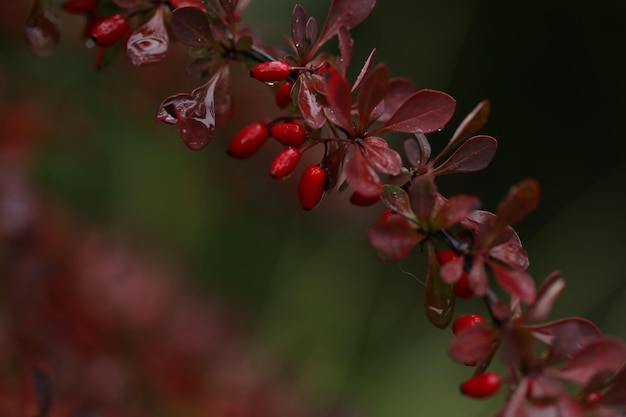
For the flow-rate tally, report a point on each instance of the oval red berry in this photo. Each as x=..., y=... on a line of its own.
x=311, y=187
x=290, y=134
x=481, y=386
x=110, y=30
x=283, y=95
x=462, y=287
x=272, y=71
x=361, y=200
x=285, y=163
x=248, y=140
x=445, y=255
x=466, y=321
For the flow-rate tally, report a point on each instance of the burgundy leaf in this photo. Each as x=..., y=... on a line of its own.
x=602, y=355
x=423, y=196
x=191, y=27
x=148, y=44
x=394, y=238
x=398, y=90
x=438, y=295
x=514, y=406
x=396, y=199
x=346, y=45
x=310, y=33
x=229, y=6
x=615, y=395
x=473, y=155
x=339, y=98
x=309, y=103
x=206, y=66
x=454, y=210
x=381, y=157
x=512, y=254
x=348, y=13
x=361, y=176
x=575, y=329
x=472, y=123
x=520, y=201
x=298, y=28
x=333, y=163
x=417, y=151
x=451, y=271
x=41, y=31
x=547, y=293
x=515, y=282
x=194, y=114
x=473, y=344
x=422, y=112
x=366, y=68
x=371, y=94
x=477, y=277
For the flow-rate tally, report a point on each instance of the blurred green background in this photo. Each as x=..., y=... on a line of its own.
x=350, y=326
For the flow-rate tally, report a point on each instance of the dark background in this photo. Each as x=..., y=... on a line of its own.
x=312, y=290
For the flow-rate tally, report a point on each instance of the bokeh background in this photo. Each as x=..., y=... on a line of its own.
x=348, y=328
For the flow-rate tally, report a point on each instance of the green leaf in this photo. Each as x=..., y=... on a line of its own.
x=438, y=296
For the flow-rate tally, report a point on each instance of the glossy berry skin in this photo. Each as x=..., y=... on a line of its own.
x=283, y=95
x=466, y=321
x=80, y=6
x=462, y=288
x=271, y=72
x=109, y=30
x=361, y=200
x=311, y=187
x=290, y=134
x=445, y=255
x=386, y=215
x=248, y=140
x=285, y=163
x=481, y=386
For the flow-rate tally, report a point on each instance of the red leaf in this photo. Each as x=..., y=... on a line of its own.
x=191, y=27
x=473, y=155
x=333, y=163
x=512, y=254
x=477, y=277
x=417, y=151
x=576, y=330
x=472, y=123
x=298, y=27
x=423, y=196
x=394, y=238
x=148, y=44
x=473, y=344
x=310, y=33
x=41, y=31
x=348, y=13
x=371, y=95
x=396, y=199
x=366, y=68
x=361, y=176
x=454, y=210
x=438, y=295
x=451, y=271
x=381, y=157
x=423, y=112
x=547, y=293
x=346, y=45
x=398, y=90
x=599, y=356
x=515, y=282
x=520, y=201
x=309, y=104
x=339, y=98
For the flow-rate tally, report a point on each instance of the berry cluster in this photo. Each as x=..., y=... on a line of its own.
x=562, y=367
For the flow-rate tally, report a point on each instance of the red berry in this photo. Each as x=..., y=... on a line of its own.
x=248, y=140
x=272, y=71
x=290, y=134
x=110, y=30
x=462, y=287
x=311, y=187
x=283, y=95
x=445, y=255
x=386, y=215
x=466, y=321
x=361, y=200
x=80, y=6
x=481, y=386
x=285, y=163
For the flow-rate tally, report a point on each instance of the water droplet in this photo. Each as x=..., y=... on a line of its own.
x=270, y=83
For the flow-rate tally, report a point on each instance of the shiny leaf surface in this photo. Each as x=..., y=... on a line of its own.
x=191, y=27
x=148, y=44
